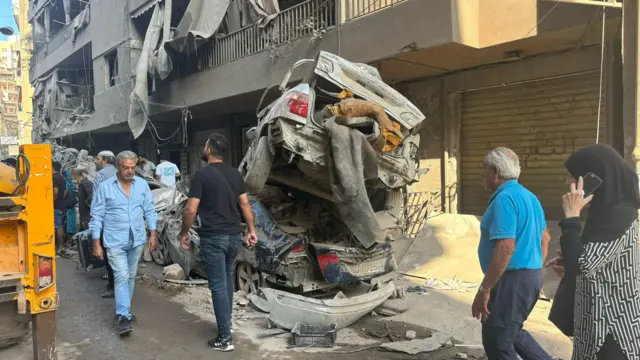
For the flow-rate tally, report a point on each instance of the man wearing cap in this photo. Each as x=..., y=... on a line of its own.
x=105, y=162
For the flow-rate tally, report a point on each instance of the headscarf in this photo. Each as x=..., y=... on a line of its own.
x=616, y=201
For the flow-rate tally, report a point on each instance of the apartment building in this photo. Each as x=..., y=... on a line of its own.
x=11, y=128
x=160, y=75
x=24, y=46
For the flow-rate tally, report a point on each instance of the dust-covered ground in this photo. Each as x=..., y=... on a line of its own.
x=174, y=323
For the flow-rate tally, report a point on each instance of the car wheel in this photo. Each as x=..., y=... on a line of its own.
x=248, y=278
x=257, y=170
x=13, y=326
x=394, y=203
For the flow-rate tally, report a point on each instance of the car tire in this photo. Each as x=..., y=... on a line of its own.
x=257, y=170
x=394, y=203
x=13, y=326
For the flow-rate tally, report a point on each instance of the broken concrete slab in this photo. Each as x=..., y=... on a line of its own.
x=173, y=272
x=418, y=346
x=410, y=334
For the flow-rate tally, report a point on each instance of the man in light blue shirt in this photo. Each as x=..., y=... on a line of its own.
x=119, y=209
x=513, y=245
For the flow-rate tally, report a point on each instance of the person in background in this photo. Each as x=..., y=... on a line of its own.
x=59, y=206
x=513, y=245
x=166, y=172
x=85, y=195
x=218, y=195
x=11, y=162
x=603, y=257
x=105, y=166
x=70, y=201
x=148, y=168
x=120, y=207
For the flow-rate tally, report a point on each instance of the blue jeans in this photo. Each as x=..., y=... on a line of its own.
x=218, y=253
x=57, y=219
x=511, y=302
x=124, y=263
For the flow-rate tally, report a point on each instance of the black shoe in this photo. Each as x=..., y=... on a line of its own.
x=123, y=326
x=221, y=344
x=109, y=294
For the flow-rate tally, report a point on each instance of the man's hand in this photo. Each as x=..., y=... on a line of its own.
x=480, y=309
x=153, y=241
x=556, y=264
x=97, y=250
x=185, y=241
x=251, y=240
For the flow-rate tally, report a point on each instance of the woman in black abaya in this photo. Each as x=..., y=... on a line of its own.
x=602, y=260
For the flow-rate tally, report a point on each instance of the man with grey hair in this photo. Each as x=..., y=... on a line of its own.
x=105, y=168
x=120, y=207
x=513, y=245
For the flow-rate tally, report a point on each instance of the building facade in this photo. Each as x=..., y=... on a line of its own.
x=157, y=76
x=25, y=49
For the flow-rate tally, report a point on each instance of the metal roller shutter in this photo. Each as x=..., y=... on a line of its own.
x=543, y=122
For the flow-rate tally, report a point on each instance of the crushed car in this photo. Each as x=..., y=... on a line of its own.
x=326, y=167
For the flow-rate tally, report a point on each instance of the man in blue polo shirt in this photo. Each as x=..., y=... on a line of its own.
x=513, y=245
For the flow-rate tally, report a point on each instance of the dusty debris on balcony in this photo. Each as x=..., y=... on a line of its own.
x=286, y=309
x=61, y=106
x=80, y=22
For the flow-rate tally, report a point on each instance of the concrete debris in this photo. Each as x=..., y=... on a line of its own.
x=462, y=356
x=417, y=346
x=286, y=309
x=410, y=334
x=173, y=272
x=240, y=298
x=449, y=285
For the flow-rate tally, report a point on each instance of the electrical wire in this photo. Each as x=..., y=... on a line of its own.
x=604, y=19
x=541, y=20
x=27, y=171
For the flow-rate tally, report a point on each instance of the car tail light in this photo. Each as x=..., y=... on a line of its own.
x=327, y=259
x=298, y=103
x=45, y=272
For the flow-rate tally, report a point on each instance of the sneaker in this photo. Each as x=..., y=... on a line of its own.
x=123, y=326
x=221, y=344
x=109, y=294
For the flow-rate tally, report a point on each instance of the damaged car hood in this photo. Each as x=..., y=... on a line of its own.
x=364, y=81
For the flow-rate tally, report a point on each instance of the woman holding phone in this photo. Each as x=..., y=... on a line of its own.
x=601, y=262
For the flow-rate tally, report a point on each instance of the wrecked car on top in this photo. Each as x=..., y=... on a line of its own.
x=290, y=137
x=340, y=146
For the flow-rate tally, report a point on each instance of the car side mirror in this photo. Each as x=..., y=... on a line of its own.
x=251, y=133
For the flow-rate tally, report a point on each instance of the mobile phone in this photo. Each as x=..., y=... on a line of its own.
x=590, y=182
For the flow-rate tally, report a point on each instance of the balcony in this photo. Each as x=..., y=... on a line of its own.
x=310, y=18
x=353, y=9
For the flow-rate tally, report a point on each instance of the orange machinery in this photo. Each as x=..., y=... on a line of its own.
x=28, y=291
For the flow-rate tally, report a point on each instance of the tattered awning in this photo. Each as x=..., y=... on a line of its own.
x=144, y=8
x=200, y=21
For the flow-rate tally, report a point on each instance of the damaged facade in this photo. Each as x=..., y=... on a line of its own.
x=159, y=76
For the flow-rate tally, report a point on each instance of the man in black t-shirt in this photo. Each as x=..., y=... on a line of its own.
x=85, y=195
x=215, y=193
x=59, y=204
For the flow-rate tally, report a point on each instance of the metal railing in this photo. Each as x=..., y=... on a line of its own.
x=305, y=19
x=418, y=207
x=354, y=9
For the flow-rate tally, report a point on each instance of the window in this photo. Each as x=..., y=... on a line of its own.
x=111, y=68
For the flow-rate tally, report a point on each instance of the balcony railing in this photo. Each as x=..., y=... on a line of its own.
x=353, y=9
x=305, y=19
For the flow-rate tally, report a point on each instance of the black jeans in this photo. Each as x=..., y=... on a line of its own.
x=218, y=254
x=511, y=302
x=610, y=350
